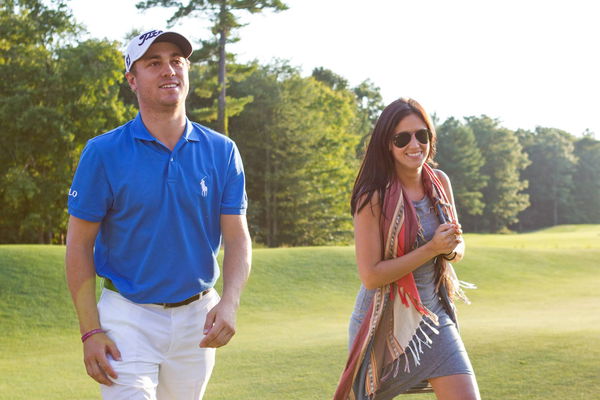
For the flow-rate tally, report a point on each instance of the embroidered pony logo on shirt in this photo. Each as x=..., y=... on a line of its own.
x=204, y=187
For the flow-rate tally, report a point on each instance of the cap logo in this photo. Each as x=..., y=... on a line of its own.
x=127, y=60
x=148, y=35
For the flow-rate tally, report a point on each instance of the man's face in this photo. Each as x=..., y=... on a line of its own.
x=160, y=77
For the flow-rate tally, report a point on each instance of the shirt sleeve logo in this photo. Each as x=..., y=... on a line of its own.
x=72, y=192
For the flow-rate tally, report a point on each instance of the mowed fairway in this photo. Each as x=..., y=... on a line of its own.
x=532, y=330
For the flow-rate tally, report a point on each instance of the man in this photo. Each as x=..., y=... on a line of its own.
x=148, y=206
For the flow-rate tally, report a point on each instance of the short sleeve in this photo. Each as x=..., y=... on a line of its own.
x=90, y=195
x=234, y=200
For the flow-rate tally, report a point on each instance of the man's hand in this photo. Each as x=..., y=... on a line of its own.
x=95, y=349
x=219, y=327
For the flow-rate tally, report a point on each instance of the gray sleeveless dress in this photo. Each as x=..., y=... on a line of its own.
x=447, y=355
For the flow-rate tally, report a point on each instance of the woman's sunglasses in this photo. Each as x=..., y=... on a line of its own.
x=403, y=138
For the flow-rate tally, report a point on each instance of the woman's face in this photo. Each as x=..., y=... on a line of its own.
x=413, y=155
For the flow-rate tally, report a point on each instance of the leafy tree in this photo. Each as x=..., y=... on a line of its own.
x=369, y=103
x=550, y=177
x=330, y=78
x=202, y=103
x=459, y=156
x=298, y=147
x=369, y=106
x=504, y=160
x=28, y=22
x=586, y=188
x=223, y=15
x=54, y=95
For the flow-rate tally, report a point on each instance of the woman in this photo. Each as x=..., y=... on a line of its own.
x=403, y=329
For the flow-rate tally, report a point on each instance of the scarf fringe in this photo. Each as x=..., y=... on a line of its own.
x=467, y=285
x=415, y=345
x=431, y=327
x=460, y=293
x=415, y=348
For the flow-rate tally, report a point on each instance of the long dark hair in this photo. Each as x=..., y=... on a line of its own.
x=377, y=168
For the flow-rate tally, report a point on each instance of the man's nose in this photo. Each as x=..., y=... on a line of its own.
x=168, y=70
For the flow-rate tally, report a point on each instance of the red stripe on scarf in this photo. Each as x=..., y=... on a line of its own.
x=407, y=287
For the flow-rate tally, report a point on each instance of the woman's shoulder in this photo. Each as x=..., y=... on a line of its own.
x=441, y=175
x=369, y=201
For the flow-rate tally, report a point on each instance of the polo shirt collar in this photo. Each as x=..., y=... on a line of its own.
x=140, y=131
x=190, y=134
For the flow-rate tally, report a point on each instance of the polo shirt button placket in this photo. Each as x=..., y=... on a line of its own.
x=172, y=170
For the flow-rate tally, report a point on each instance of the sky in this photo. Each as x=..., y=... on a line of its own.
x=526, y=63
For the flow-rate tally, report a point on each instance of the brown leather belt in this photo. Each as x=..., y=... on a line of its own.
x=109, y=285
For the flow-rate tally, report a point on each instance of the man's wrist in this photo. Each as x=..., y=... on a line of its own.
x=231, y=299
x=89, y=334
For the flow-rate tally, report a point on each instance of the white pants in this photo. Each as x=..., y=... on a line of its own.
x=161, y=359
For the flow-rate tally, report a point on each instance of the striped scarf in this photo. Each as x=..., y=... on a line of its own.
x=393, y=325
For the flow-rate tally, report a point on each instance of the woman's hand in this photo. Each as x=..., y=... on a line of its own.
x=446, y=238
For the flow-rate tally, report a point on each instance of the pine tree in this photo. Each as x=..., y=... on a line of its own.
x=586, y=188
x=223, y=15
x=504, y=157
x=459, y=157
x=299, y=152
x=550, y=177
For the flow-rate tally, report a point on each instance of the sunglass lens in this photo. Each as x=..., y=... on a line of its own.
x=402, y=139
x=422, y=136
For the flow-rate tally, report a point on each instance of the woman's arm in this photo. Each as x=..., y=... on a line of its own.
x=460, y=248
x=375, y=272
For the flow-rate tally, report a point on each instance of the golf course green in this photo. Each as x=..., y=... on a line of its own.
x=532, y=330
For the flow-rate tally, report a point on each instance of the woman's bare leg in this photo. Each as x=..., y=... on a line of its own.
x=455, y=387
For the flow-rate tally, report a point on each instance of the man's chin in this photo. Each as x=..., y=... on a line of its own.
x=172, y=103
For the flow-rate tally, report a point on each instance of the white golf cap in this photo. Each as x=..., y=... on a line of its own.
x=140, y=44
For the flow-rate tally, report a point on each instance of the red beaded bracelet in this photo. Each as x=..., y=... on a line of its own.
x=90, y=333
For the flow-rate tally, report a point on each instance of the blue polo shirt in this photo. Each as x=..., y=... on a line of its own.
x=159, y=210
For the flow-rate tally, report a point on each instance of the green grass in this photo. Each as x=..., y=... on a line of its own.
x=532, y=330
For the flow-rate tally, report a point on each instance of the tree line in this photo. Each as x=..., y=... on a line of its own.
x=301, y=138
x=519, y=180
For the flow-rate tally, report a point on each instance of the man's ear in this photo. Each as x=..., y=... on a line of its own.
x=131, y=80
